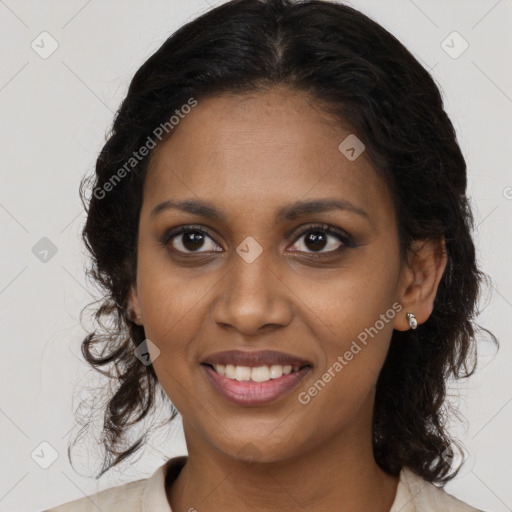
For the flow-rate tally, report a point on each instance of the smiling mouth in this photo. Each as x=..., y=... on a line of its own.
x=255, y=373
x=254, y=378
x=254, y=386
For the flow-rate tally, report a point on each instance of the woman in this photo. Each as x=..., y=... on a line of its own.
x=279, y=219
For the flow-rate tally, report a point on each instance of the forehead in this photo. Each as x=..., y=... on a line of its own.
x=258, y=151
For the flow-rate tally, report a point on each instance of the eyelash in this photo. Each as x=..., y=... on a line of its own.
x=343, y=237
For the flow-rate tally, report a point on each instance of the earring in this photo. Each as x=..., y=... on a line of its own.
x=413, y=323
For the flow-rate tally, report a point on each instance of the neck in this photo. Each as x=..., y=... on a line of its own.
x=340, y=475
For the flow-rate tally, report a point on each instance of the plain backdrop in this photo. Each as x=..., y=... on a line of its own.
x=66, y=66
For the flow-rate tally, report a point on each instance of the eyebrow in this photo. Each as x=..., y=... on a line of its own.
x=288, y=212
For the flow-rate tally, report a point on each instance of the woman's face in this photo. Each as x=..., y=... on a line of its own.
x=260, y=280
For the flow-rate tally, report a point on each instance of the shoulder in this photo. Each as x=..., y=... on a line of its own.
x=145, y=495
x=127, y=497
x=414, y=494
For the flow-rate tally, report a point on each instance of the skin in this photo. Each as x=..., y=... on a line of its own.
x=249, y=155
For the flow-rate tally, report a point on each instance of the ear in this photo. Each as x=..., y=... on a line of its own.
x=134, y=306
x=420, y=280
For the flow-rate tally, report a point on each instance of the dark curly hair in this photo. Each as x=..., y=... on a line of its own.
x=359, y=73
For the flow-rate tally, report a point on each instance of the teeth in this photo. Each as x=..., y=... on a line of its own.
x=276, y=371
x=242, y=373
x=260, y=374
x=256, y=374
x=220, y=368
x=230, y=371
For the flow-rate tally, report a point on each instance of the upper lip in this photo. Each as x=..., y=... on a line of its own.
x=255, y=359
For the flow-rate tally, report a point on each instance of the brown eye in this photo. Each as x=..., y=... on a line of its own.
x=320, y=237
x=188, y=239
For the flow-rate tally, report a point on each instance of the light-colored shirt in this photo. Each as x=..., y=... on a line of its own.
x=148, y=495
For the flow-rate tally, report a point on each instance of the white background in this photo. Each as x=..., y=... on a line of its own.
x=55, y=114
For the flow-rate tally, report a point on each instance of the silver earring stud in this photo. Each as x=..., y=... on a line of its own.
x=413, y=323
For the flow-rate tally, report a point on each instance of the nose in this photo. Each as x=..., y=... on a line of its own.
x=253, y=297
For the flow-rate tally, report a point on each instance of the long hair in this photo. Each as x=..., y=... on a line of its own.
x=361, y=74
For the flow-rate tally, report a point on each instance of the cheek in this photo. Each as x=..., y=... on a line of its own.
x=172, y=310
x=352, y=299
x=171, y=302
x=342, y=388
x=353, y=319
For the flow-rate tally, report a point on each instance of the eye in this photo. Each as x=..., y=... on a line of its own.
x=189, y=239
x=317, y=239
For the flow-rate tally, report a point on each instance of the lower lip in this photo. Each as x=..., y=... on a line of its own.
x=254, y=393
